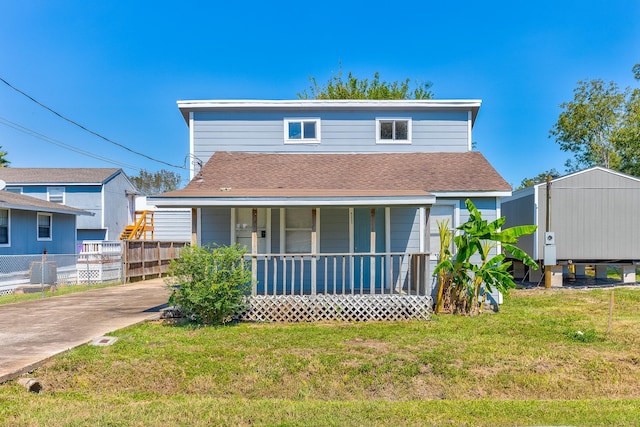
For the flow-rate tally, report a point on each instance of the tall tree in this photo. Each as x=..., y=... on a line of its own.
x=150, y=183
x=589, y=124
x=4, y=163
x=629, y=135
x=354, y=88
x=601, y=126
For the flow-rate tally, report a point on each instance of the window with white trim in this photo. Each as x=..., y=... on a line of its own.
x=298, y=226
x=5, y=218
x=393, y=131
x=55, y=194
x=301, y=131
x=45, y=221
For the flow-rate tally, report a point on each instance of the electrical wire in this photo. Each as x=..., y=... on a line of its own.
x=89, y=130
x=50, y=140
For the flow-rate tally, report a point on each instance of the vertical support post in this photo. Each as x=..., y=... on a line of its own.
x=254, y=251
x=372, y=257
x=194, y=227
x=547, y=271
x=314, y=284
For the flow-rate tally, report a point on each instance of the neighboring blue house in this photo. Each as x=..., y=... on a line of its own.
x=106, y=192
x=29, y=226
x=334, y=198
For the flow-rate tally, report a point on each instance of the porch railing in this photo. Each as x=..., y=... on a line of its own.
x=340, y=274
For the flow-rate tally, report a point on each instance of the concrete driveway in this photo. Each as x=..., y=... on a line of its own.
x=33, y=331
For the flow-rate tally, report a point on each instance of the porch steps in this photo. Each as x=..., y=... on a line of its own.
x=141, y=229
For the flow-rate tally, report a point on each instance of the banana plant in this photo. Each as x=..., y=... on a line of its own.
x=469, y=279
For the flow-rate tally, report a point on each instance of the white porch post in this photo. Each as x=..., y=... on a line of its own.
x=194, y=227
x=254, y=251
x=372, y=250
x=313, y=252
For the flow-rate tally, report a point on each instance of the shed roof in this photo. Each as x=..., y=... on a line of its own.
x=245, y=175
x=17, y=176
x=9, y=200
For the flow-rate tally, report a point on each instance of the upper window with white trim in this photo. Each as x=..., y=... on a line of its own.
x=4, y=227
x=301, y=131
x=393, y=131
x=55, y=194
x=44, y=226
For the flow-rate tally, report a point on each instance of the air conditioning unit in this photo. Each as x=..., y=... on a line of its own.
x=549, y=238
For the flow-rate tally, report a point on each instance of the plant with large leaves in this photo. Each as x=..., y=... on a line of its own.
x=463, y=279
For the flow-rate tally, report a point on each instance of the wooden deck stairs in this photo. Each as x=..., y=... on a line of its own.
x=141, y=229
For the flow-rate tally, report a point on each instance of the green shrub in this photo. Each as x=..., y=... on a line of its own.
x=209, y=284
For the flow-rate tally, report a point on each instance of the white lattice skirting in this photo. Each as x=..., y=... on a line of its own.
x=310, y=308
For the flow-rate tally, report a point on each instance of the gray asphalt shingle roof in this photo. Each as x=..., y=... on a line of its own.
x=45, y=176
x=239, y=174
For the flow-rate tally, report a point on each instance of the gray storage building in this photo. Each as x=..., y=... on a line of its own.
x=593, y=216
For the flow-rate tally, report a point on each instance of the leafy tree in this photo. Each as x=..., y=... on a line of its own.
x=4, y=163
x=589, y=124
x=601, y=126
x=528, y=182
x=150, y=183
x=463, y=284
x=353, y=88
x=209, y=284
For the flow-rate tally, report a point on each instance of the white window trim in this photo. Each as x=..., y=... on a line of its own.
x=44, y=239
x=394, y=141
x=8, y=244
x=64, y=193
x=284, y=229
x=302, y=140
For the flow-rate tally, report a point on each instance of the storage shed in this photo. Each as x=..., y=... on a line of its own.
x=593, y=217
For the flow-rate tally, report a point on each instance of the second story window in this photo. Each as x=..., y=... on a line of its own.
x=393, y=131
x=300, y=131
x=55, y=194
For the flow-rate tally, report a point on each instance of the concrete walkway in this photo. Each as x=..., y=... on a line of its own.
x=33, y=331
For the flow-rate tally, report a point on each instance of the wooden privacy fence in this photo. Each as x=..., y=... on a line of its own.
x=146, y=259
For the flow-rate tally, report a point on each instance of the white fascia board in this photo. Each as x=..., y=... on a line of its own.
x=291, y=201
x=187, y=106
x=468, y=194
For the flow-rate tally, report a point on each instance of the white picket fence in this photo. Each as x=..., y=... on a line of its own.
x=96, y=262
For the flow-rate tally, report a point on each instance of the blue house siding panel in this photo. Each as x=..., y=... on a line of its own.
x=340, y=132
x=405, y=229
x=89, y=201
x=23, y=234
x=216, y=223
x=334, y=230
x=118, y=207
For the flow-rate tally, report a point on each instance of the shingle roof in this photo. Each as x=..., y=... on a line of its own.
x=236, y=174
x=10, y=200
x=56, y=175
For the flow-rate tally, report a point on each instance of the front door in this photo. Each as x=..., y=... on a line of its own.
x=368, y=269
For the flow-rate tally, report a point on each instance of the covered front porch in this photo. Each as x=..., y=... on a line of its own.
x=327, y=262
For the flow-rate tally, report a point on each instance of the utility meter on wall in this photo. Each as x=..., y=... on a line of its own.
x=549, y=238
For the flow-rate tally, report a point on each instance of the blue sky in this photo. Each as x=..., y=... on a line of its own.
x=119, y=67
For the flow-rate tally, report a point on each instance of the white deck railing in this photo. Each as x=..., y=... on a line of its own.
x=340, y=273
x=100, y=251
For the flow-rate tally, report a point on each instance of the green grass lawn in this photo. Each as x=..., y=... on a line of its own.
x=545, y=359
